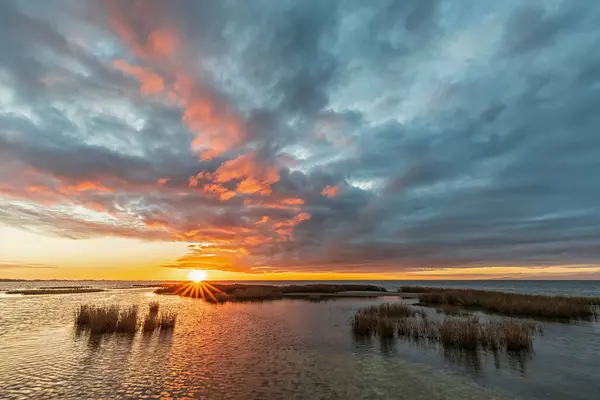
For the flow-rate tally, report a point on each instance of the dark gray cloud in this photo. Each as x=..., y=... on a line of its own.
x=309, y=136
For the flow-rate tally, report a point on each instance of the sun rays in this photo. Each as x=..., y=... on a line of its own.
x=200, y=290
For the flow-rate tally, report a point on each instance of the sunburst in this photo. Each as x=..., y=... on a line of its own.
x=201, y=289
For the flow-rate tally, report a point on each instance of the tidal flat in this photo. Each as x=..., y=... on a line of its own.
x=284, y=348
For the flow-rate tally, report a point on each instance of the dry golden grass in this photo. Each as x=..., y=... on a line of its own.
x=452, y=332
x=103, y=319
x=167, y=320
x=127, y=322
x=150, y=323
x=114, y=319
x=153, y=307
x=380, y=319
x=512, y=304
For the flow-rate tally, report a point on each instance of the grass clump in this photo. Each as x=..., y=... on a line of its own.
x=103, y=319
x=127, y=322
x=167, y=320
x=381, y=319
x=153, y=307
x=386, y=320
x=459, y=333
x=512, y=304
x=150, y=323
x=114, y=319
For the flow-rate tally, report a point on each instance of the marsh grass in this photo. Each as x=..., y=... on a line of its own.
x=171, y=289
x=422, y=289
x=114, y=319
x=103, y=319
x=127, y=322
x=167, y=320
x=248, y=293
x=150, y=323
x=391, y=310
x=454, y=311
x=381, y=319
x=512, y=304
x=451, y=332
x=255, y=294
x=33, y=292
x=153, y=307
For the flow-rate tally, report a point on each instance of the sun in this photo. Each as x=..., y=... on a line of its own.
x=197, y=275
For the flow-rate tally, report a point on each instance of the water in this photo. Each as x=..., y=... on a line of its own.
x=555, y=288
x=284, y=349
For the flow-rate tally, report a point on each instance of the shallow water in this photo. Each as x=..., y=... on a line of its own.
x=284, y=349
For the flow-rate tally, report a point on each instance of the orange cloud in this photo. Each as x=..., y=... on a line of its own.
x=263, y=220
x=150, y=83
x=156, y=224
x=150, y=37
x=83, y=186
x=163, y=181
x=163, y=42
x=94, y=206
x=255, y=178
x=219, y=190
x=331, y=191
x=288, y=203
x=38, y=189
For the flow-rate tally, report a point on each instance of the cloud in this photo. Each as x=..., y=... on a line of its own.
x=14, y=265
x=313, y=136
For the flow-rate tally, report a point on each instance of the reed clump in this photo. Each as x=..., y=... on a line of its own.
x=451, y=332
x=128, y=320
x=103, y=319
x=153, y=307
x=512, y=304
x=150, y=323
x=167, y=320
x=114, y=319
x=381, y=319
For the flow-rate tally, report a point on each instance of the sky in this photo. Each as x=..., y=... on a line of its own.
x=415, y=139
